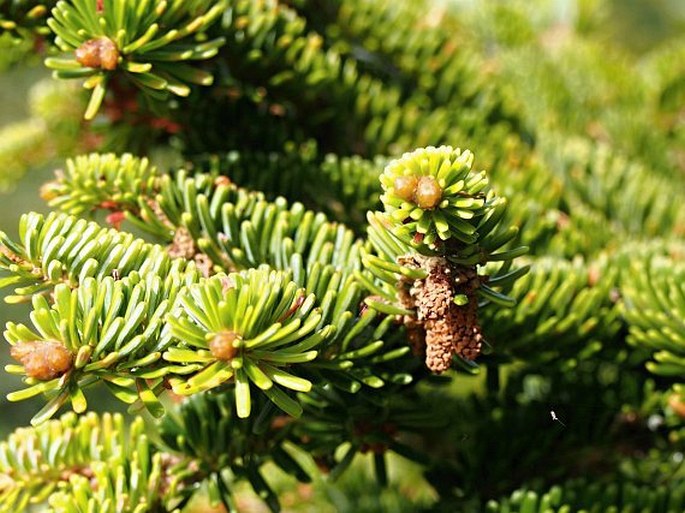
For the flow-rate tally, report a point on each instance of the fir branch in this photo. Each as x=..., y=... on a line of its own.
x=334, y=419
x=649, y=205
x=312, y=260
x=120, y=342
x=440, y=223
x=237, y=229
x=206, y=429
x=86, y=463
x=565, y=311
x=106, y=330
x=150, y=49
x=579, y=494
x=654, y=307
x=97, y=181
x=318, y=330
x=247, y=328
x=61, y=249
x=341, y=187
x=420, y=45
x=291, y=55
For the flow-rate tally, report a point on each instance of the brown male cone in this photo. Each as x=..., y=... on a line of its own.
x=449, y=328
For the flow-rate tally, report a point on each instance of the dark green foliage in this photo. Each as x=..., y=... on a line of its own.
x=342, y=187
x=580, y=495
x=565, y=310
x=23, y=18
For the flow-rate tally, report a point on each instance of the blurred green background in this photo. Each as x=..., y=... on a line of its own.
x=13, y=87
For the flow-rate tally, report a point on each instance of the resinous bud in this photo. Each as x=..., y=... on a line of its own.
x=98, y=53
x=222, y=345
x=405, y=187
x=428, y=192
x=43, y=360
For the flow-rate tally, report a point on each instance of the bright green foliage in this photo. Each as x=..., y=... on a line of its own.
x=364, y=194
x=654, y=308
x=100, y=181
x=114, y=328
x=60, y=248
x=241, y=229
x=267, y=324
x=125, y=325
x=464, y=224
x=149, y=42
x=446, y=200
x=84, y=464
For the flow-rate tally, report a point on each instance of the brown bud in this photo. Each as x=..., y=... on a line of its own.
x=405, y=186
x=98, y=53
x=675, y=401
x=428, y=192
x=222, y=346
x=88, y=54
x=109, y=54
x=44, y=360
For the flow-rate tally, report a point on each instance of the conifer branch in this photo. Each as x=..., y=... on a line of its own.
x=149, y=49
x=579, y=494
x=440, y=223
x=24, y=19
x=654, y=307
x=591, y=172
x=273, y=327
x=88, y=463
x=341, y=187
x=564, y=310
x=61, y=249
